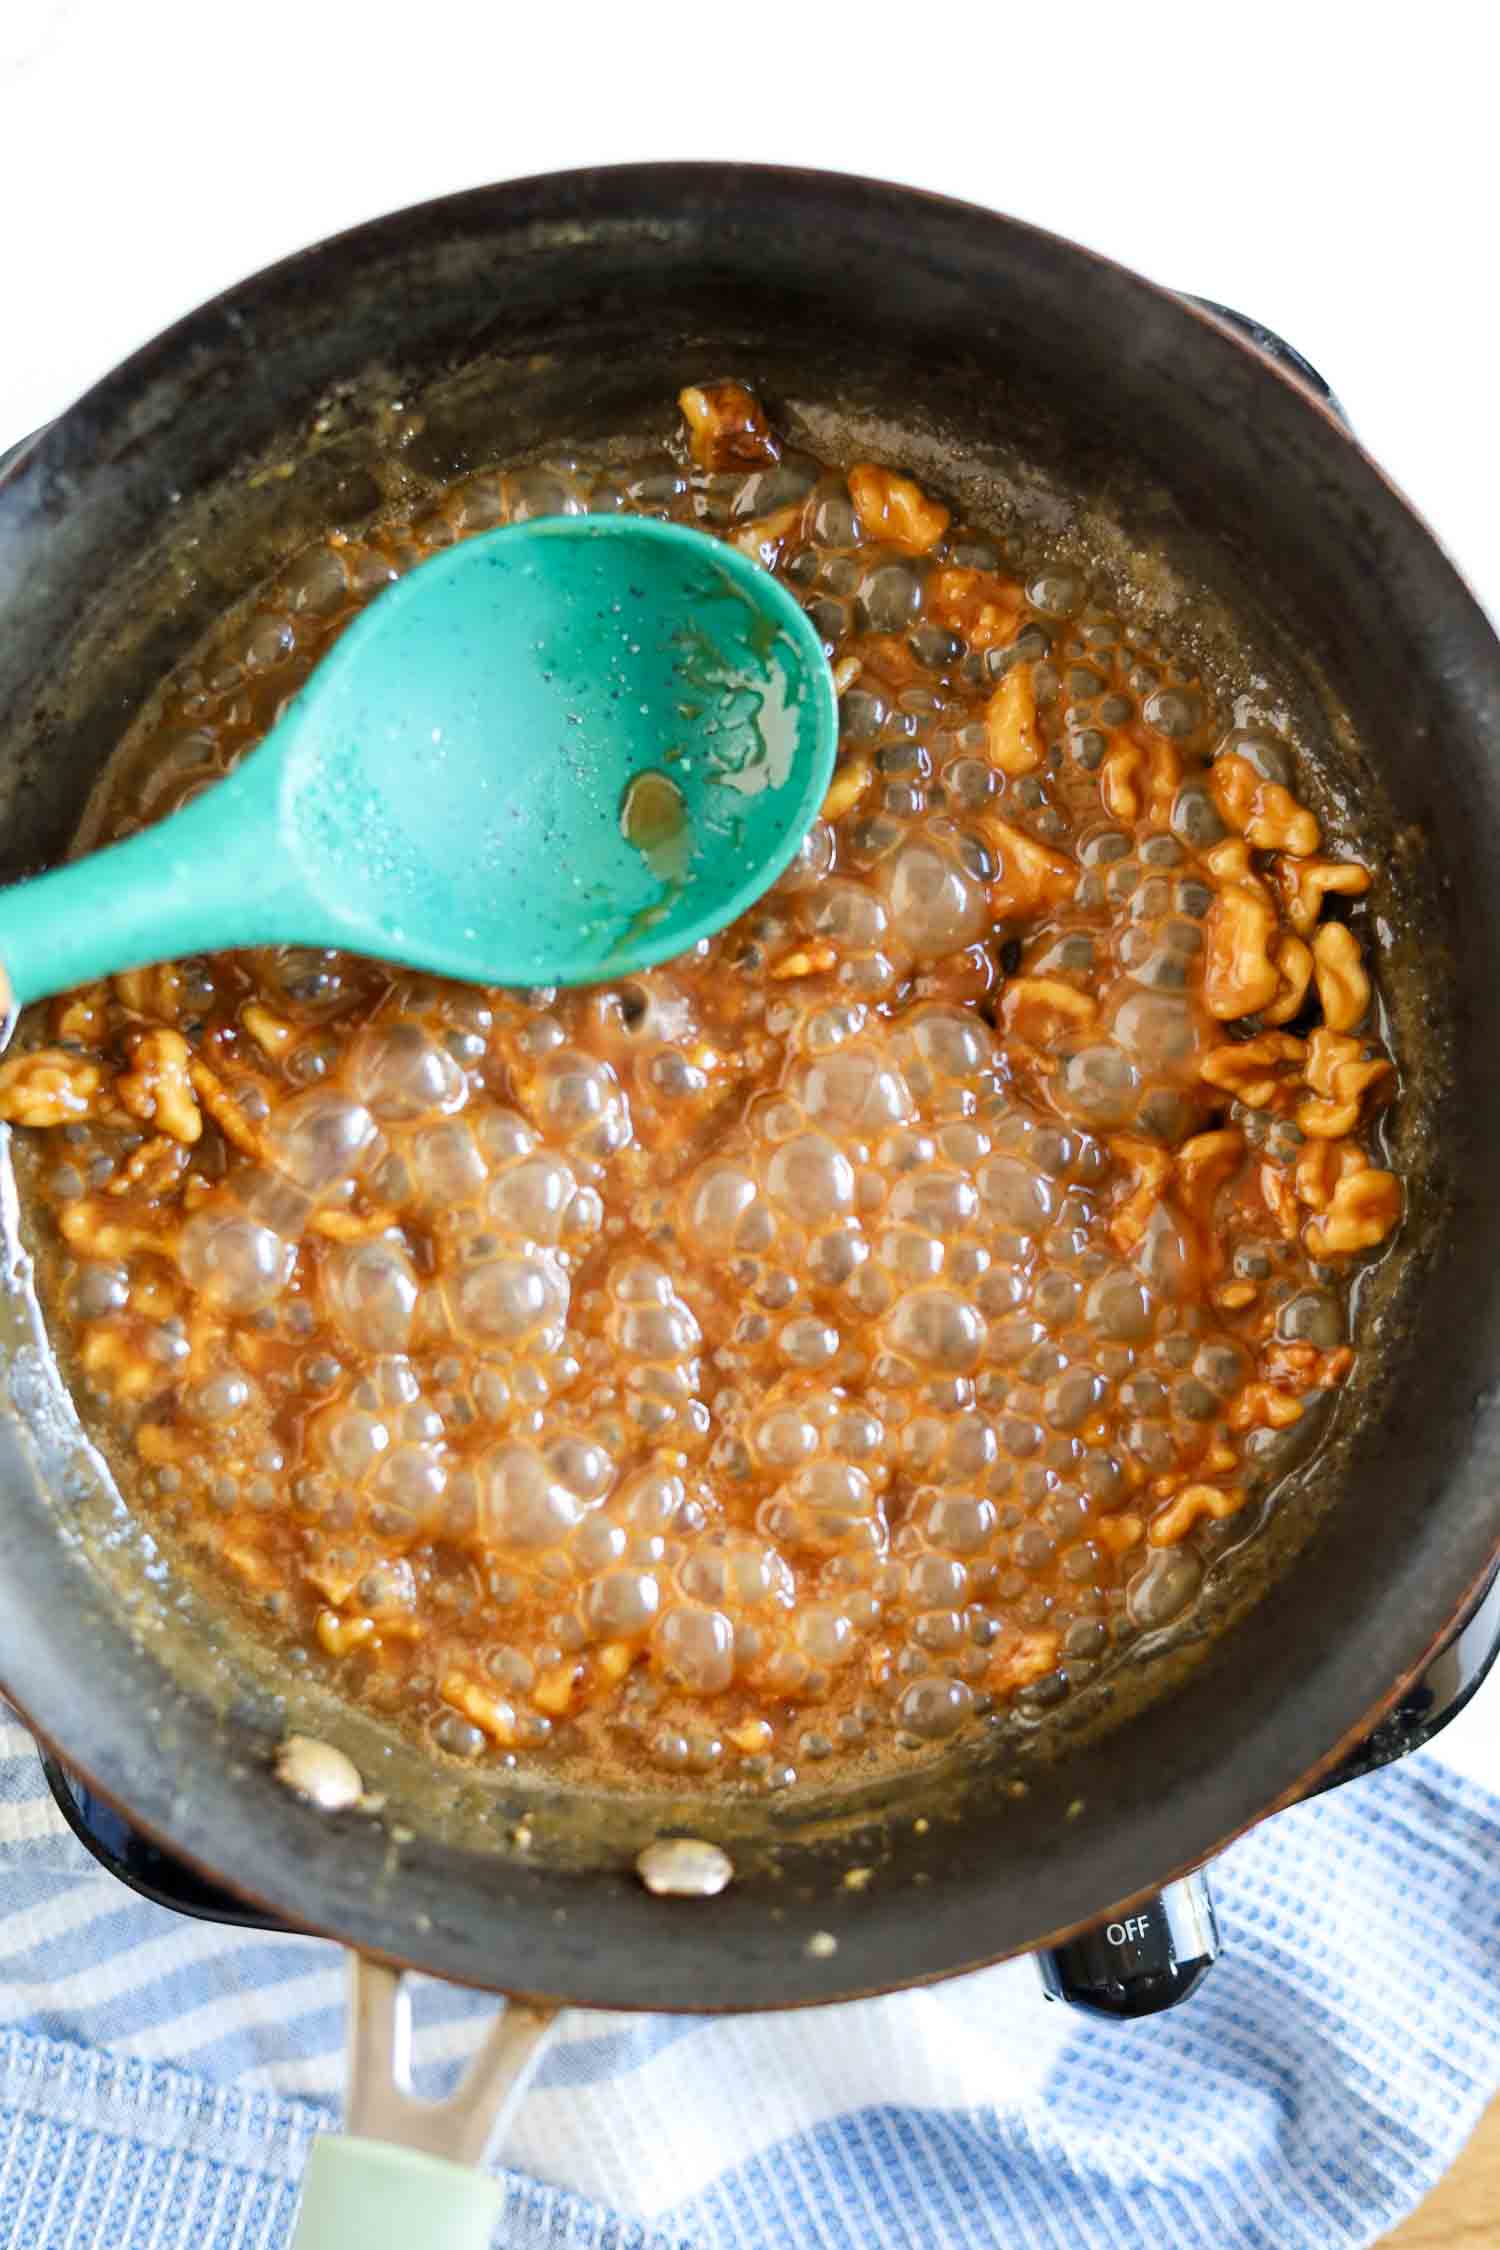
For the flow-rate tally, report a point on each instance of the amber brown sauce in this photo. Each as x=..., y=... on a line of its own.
x=862, y=1328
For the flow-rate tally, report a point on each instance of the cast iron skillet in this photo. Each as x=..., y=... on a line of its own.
x=1016, y=369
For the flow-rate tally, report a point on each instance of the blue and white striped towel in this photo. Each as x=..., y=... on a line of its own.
x=160, y=2080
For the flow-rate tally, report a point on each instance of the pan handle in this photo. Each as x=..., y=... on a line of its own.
x=407, y=2170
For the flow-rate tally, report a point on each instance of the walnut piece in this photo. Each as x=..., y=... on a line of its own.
x=152, y=1170
x=269, y=1032
x=895, y=509
x=1294, y=968
x=156, y=991
x=1339, y=1072
x=851, y=778
x=1202, y=1166
x=491, y=1712
x=1239, y=974
x=47, y=1087
x=1305, y=883
x=1321, y=1165
x=1364, y=1207
x=1194, y=1501
x=1010, y=718
x=158, y=1087
x=1030, y=875
x=1267, y=815
x=726, y=427
x=1343, y=986
x=82, y=1016
x=979, y=607
x=1254, y=1070
x=1041, y=1010
x=1151, y=1167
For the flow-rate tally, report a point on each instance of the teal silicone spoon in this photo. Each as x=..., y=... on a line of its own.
x=551, y=754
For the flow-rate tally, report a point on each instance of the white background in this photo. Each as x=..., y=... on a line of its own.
x=1330, y=168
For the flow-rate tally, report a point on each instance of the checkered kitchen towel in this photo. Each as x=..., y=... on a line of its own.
x=161, y=2080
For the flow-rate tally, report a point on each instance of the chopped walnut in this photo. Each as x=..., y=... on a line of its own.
x=95, y=1229
x=152, y=1170
x=156, y=991
x=1202, y=1166
x=1032, y=1658
x=491, y=1712
x=1321, y=1165
x=1255, y=1070
x=851, y=778
x=1010, y=718
x=47, y=1087
x=979, y=607
x=1305, y=883
x=1119, y=773
x=1343, y=986
x=726, y=427
x=1364, y=1207
x=1192, y=1503
x=1152, y=1168
x=226, y=1112
x=1280, y=1199
x=82, y=1016
x=1294, y=969
x=1030, y=875
x=269, y=1032
x=340, y=1635
x=337, y=1225
x=1338, y=1071
x=1117, y=1534
x=1267, y=815
x=1041, y=1010
x=1261, y=1406
x=767, y=538
x=158, y=1087
x=806, y=961
x=1134, y=778
x=1239, y=973
x=119, y=1367
x=553, y=1692
x=895, y=509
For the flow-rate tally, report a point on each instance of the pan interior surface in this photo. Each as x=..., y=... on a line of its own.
x=1075, y=411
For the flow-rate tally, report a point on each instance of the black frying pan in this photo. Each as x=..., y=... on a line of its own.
x=1062, y=399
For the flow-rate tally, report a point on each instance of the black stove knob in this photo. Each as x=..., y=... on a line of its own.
x=1138, y=1963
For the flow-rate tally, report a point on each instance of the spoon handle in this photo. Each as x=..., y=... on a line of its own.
x=213, y=875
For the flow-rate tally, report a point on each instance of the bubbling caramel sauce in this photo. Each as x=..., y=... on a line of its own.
x=863, y=1327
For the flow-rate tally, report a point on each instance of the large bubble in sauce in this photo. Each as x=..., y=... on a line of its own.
x=319, y=1139
x=371, y=1293
x=936, y=905
x=532, y=1197
x=581, y=1103
x=855, y=1088
x=402, y=1074
x=232, y=1260
x=524, y=1504
x=510, y=1298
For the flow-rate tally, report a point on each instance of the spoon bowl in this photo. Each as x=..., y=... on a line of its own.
x=552, y=754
